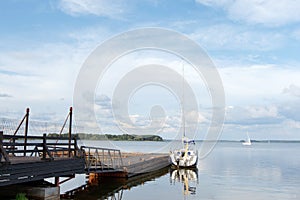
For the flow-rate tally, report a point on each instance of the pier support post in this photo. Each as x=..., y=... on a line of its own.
x=44, y=146
x=1, y=138
x=70, y=130
x=56, y=181
x=2, y=150
x=41, y=192
x=26, y=130
x=75, y=146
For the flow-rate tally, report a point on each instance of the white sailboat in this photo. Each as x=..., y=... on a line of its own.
x=248, y=141
x=185, y=157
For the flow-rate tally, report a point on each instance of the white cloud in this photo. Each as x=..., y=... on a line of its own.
x=196, y=117
x=232, y=37
x=267, y=12
x=262, y=111
x=257, y=84
x=41, y=77
x=292, y=124
x=254, y=115
x=293, y=90
x=4, y=95
x=290, y=109
x=107, y=8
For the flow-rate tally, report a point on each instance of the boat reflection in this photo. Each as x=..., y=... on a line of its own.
x=110, y=188
x=188, y=177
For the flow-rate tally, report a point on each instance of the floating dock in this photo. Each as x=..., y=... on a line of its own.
x=124, y=164
x=140, y=163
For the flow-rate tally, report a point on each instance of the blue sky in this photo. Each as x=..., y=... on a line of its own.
x=254, y=45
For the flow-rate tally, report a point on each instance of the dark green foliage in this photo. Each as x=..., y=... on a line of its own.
x=21, y=196
x=124, y=137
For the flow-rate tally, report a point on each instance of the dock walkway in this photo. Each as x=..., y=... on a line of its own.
x=140, y=163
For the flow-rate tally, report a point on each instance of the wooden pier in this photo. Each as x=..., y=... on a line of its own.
x=33, y=158
x=45, y=158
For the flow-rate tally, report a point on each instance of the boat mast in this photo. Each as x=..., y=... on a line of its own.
x=183, y=110
x=248, y=138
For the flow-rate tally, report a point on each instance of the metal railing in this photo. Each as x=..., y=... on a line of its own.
x=102, y=159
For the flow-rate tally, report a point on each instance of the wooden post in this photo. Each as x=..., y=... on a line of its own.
x=2, y=150
x=1, y=137
x=56, y=181
x=44, y=146
x=13, y=148
x=70, y=130
x=26, y=130
x=1, y=144
x=75, y=146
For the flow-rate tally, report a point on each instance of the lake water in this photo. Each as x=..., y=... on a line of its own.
x=231, y=171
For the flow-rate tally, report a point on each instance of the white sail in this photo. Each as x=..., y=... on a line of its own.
x=248, y=141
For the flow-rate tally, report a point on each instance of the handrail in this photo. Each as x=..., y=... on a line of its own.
x=100, y=159
x=34, y=137
x=99, y=148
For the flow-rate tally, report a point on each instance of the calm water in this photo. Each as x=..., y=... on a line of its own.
x=232, y=171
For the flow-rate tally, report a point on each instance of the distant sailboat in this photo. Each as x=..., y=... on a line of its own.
x=248, y=141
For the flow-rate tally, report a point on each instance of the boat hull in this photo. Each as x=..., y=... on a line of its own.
x=180, y=160
x=246, y=143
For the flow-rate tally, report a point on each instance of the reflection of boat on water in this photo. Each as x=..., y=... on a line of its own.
x=248, y=141
x=189, y=178
x=111, y=188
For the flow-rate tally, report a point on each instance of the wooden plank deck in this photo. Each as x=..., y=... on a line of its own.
x=26, y=169
x=140, y=163
x=134, y=164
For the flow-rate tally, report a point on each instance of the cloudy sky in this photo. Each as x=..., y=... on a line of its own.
x=254, y=45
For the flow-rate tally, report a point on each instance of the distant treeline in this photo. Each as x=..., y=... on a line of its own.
x=124, y=137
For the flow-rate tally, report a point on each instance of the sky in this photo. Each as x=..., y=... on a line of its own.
x=253, y=44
